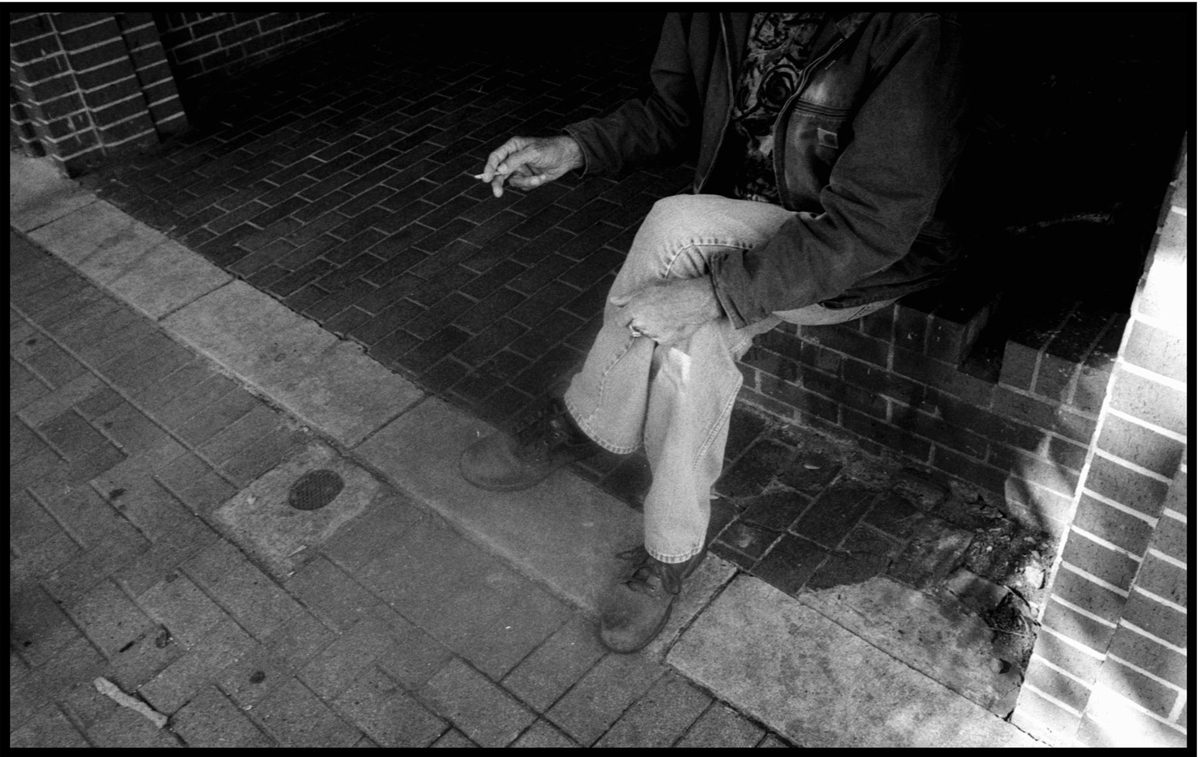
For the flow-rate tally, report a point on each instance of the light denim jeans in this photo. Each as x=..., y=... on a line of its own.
x=677, y=400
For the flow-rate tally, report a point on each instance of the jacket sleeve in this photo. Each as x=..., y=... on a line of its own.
x=882, y=188
x=664, y=125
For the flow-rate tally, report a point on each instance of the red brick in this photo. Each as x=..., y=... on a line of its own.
x=910, y=328
x=1164, y=579
x=1157, y=619
x=52, y=111
x=1070, y=658
x=1103, y=562
x=235, y=34
x=1157, y=350
x=879, y=324
x=1077, y=626
x=949, y=435
x=1031, y=410
x=781, y=367
x=1156, y=697
x=194, y=50
x=1131, y=729
x=1140, y=445
x=817, y=357
x=1171, y=538
x=890, y=436
x=40, y=70
x=41, y=47
x=801, y=400
x=93, y=34
x=1088, y=595
x=1066, y=454
x=49, y=89
x=66, y=22
x=1038, y=470
x=126, y=133
x=82, y=60
x=942, y=376
x=1151, y=656
x=950, y=341
x=884, y=382
x=1054, y=377
x=1052, y=508
x=787, y=344
x=846, y=340
x=1112, y=525
x=28, y=25
x=1045, y=720
x=1126, y=485
x=1049, y=681
x=1150, y=401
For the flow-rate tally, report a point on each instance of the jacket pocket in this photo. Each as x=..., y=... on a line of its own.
x=816, y=135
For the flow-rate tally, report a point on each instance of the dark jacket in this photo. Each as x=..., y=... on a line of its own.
x=862, y=153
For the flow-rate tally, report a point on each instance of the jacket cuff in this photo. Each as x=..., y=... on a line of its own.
x=721, y=290
x=575, y=133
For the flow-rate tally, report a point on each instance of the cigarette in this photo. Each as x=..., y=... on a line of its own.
x=477, y=176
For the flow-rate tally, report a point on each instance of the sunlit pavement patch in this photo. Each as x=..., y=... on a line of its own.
x=296, y=506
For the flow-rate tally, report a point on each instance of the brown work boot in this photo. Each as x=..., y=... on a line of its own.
x=511, y=462
x=637, y=607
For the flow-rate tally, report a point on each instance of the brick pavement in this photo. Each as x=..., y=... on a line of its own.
x=124, y=443
x=338, y=185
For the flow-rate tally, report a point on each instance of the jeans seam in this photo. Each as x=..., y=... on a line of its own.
x=696, y=243
x=726, y=409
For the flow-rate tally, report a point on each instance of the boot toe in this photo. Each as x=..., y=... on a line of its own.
x=492, y=464
x=629, y=620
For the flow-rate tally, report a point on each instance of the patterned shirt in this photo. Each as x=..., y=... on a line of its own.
x=779, y=47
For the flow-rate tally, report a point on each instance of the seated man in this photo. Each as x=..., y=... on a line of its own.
x=822, y=141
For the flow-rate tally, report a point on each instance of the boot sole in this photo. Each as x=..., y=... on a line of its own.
x=657, y=630
x=661, y=624
x=516, y=487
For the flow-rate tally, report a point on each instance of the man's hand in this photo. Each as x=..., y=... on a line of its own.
x=528, y=162
x=669, y=311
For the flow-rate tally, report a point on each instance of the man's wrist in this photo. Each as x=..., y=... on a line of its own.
x=572, y=151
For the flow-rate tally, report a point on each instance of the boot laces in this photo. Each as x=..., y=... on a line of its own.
x=645, y=568
x=537, y=433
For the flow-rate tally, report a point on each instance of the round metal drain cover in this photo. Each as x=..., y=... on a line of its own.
x=315, y=489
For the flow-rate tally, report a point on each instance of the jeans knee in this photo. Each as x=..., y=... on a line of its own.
x=669, y=212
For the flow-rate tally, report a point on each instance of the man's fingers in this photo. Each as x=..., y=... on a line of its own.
x=498, y=156
x=526, y=181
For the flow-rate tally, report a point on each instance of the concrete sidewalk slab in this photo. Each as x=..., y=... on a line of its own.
x=166, y=278
x=325, y=382
x=260, y=519
x=564, y=532
x=935, y=637
x=37, y=194
x=99, y=239
x=821, y=685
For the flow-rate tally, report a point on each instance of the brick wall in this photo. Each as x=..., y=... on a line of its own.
x=906, y=380
x=1110, y=664
x=204, y=48
x=84, y=87
x=1077, y=419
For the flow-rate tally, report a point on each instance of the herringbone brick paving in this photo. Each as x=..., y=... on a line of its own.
x=338, y=183
x=118, y=570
